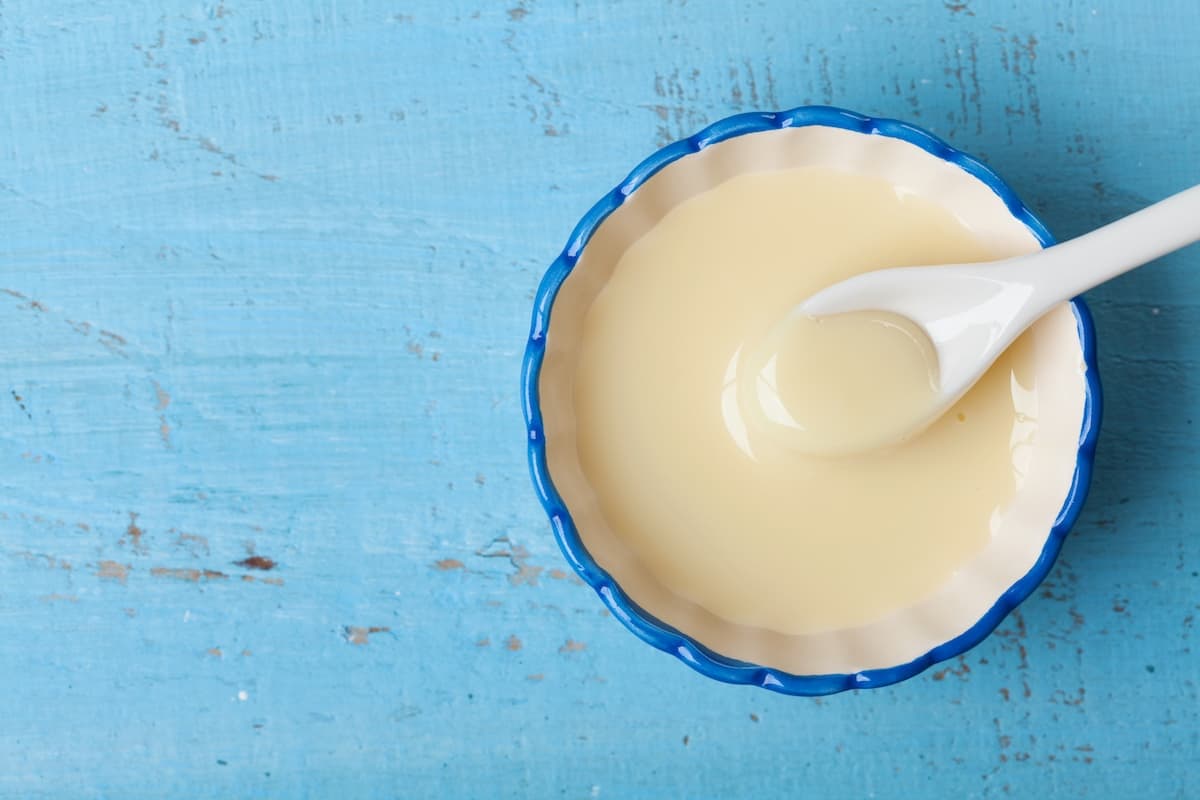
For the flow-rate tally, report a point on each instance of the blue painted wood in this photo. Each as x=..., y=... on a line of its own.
x=265, y=524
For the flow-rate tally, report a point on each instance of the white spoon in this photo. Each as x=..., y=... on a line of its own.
x=973, y=312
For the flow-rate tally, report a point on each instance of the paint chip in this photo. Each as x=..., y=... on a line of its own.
x=357, y=635
x=196, y=544
x=162, y=397
x=112, y=571
x=256, y=562
x=134, y=534
x=193, y=575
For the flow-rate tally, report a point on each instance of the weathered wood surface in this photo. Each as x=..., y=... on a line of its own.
x=265, y=524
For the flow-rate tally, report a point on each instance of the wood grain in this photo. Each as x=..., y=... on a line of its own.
x=265, y=523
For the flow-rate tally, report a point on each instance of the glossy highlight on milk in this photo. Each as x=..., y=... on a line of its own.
x=842, y=384
x=724, y=510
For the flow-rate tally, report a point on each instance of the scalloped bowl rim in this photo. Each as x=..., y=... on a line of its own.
x=665, y=637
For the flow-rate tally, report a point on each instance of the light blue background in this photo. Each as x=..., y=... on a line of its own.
x=265, y=277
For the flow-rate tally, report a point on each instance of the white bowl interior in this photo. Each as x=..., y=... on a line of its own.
x=1022, y=532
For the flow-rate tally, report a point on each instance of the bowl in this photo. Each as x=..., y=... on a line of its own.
x=967, y=607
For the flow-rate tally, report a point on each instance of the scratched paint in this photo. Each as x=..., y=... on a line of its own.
x=264, y=282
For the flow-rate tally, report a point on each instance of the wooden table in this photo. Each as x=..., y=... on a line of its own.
x=264, y=285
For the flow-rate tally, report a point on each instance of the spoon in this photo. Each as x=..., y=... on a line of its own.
x=973, y=312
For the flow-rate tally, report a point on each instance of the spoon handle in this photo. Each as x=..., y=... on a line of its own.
x=1071, y=268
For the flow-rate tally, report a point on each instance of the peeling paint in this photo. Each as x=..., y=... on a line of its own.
x=193, y=575
x=360, y=636
x=133, y=534
x=961, y=671
x=518, y=557
x=256, y=562
x=162, y=397
x=194, y=543
x=113, y=570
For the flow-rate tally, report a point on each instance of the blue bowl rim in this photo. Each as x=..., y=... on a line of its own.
x=667, y=638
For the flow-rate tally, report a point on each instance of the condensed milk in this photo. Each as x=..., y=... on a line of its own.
x=706, y=413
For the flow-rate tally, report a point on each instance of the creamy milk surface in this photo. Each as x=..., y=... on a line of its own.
x=697, y=399
x=842, y=384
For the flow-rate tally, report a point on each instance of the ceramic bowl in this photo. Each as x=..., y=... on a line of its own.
x=970, y=605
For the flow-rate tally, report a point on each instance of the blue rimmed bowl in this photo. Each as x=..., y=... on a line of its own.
x=959, y=614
